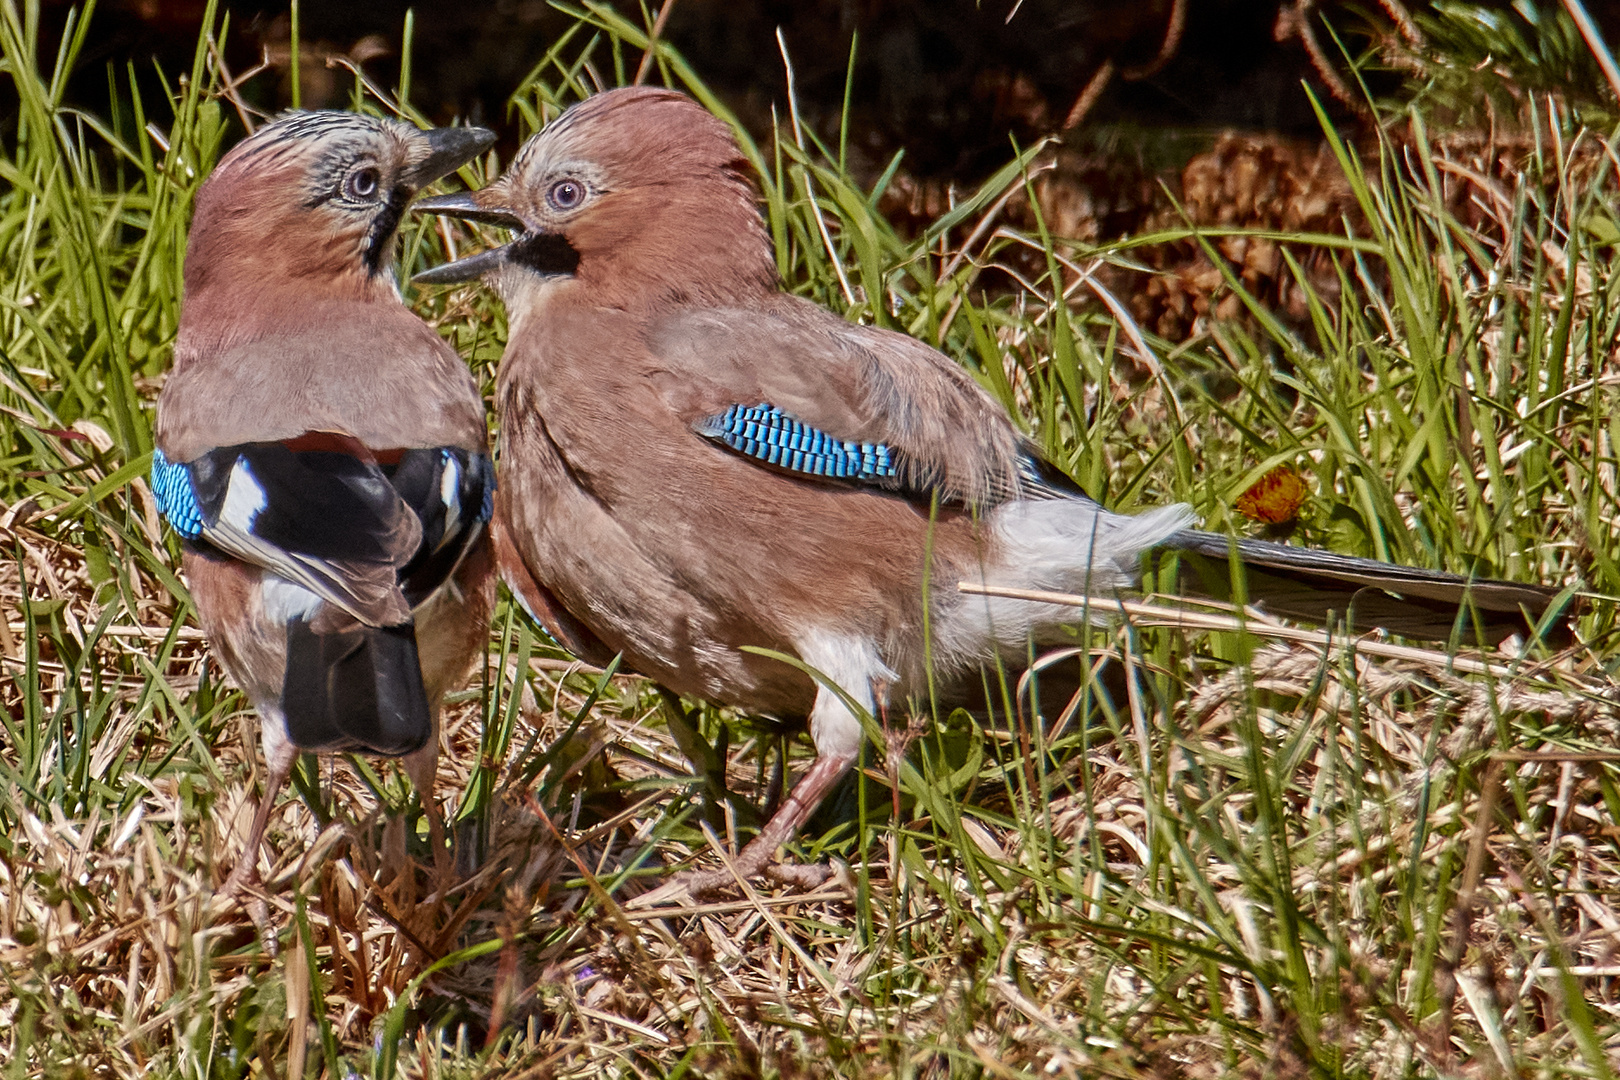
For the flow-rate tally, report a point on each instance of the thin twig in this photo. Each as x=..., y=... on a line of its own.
x=1254, y=622
x=1462, y=911
x=1088, y=97
x=230, y=88
x=809, y=182
x=652, y=42
x=1167, y=48
x=1325, y=70
x=1594, y=41
x=988, y=218
x=1404, y=22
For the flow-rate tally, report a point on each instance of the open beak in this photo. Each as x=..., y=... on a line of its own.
x=448, y=150
x=462, y=205
x=471, y=268
x=538, y=252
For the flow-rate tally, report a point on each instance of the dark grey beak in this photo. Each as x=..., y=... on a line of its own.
x=448, y=150
x=471, y=268
x=461, y=205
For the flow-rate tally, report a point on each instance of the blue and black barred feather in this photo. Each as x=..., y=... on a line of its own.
x=776, y=437
x=176, y=499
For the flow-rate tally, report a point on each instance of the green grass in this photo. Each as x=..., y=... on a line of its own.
x=1234, y=853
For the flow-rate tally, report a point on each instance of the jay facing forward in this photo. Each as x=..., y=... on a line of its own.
x=695, y=462
x=322, y=453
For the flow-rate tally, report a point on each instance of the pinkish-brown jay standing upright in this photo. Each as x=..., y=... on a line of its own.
x=693, y=462
x=323, y=453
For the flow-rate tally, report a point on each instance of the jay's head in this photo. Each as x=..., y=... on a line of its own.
x=315, y=200
x=640, y=194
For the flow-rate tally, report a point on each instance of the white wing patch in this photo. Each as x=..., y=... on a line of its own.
x=244, y=498
x=285, y=601
x=449, y=494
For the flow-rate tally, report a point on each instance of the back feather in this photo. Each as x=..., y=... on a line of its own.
x=1305, y=583
x=355, y=689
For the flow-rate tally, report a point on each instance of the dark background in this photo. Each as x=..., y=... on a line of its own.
x=1209, y=124
x=948, y=81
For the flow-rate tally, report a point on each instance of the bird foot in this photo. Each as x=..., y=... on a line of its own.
x=805, y=876
x=683, y=889
x=245, y=886
x=705, y=884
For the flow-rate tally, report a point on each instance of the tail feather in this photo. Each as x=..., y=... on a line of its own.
x=356, y=688
x=1316, y=585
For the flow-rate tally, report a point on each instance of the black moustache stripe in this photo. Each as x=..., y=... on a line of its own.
x=544, y=253
x=383, y=227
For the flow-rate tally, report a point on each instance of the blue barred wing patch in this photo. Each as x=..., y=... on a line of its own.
x=779, y=438
x=176, y=498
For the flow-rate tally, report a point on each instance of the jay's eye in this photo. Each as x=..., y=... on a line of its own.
x=566, y=194
x=362, y=183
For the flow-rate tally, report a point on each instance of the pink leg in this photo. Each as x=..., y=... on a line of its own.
x=246, y=871
x=852, y=663
x=802, y=801
x=423, y=768
x=244, y=878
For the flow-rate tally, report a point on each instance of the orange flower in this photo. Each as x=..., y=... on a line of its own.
x=1275, y=498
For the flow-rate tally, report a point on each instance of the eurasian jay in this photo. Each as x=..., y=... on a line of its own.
x=694, y=462
x=322, y=453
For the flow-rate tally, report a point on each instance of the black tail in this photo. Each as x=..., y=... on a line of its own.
x=359, y=688
x=1317, y=586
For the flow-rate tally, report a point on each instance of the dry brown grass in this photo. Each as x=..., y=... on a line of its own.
x=116, y=949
